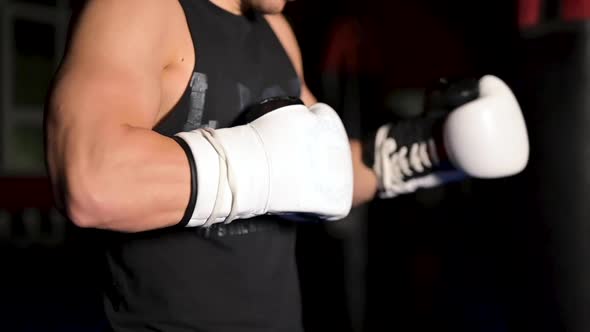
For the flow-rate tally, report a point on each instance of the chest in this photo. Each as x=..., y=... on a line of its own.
x=223, y=75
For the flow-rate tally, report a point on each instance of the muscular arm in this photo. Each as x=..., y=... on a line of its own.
x=109, y=169
x=365, y=181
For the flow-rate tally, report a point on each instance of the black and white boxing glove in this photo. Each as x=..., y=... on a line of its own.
x=288, y=159
x=471, y=128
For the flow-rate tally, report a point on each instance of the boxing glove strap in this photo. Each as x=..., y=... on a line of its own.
x=226, y=174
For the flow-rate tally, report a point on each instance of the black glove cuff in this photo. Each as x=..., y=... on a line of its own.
x=266, y=106
x=450, y=93
x=194, y=185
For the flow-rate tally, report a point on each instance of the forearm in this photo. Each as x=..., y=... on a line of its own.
x=365, y=180
x=131, y=180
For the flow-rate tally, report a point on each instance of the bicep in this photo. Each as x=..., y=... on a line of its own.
x=109, y=80
x=112, y=68
x=95, y=95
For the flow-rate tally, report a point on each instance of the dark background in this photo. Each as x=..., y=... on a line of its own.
x=471, y=256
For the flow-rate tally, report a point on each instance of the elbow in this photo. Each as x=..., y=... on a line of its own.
x=82, y=214
x=86, y=201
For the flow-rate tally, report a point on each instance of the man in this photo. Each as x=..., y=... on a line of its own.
x=177, y=127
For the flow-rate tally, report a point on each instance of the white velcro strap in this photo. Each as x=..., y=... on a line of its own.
x=207, y=161
x=232, y=174
x=226, y=175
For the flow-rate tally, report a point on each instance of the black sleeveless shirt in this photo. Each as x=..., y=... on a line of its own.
x=239, y=277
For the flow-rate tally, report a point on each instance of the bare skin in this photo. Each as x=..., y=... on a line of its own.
x=122, y=74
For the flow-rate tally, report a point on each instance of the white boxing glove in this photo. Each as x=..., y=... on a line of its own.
x=487, y=137
x=473, y=128
x=292, y=160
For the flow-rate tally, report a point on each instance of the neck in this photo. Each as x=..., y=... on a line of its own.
x=232, y=6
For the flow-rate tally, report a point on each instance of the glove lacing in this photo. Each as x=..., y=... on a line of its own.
x=394, y=164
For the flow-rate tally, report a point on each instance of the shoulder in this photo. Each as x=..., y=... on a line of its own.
x=147, y=17
x=127, y=25
x=128, y=10
x=278, y=22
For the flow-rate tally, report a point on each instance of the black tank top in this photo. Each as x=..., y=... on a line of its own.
x=240, y=277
